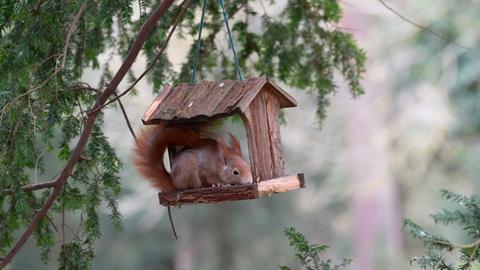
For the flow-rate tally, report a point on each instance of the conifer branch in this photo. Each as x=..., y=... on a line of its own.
x=440, y=251
x=124, y=112
x=185, y=5
x=38, y=186
x=426, y=29
x=89, y=122
x=472, y=255
x=475, y=244
x=33, y=187
x=122, y=108
x=71, y=30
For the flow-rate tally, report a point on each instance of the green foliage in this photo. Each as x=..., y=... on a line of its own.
x=74, y=255
x=444, y=65
x=308, y=254
x=437, y=248
x=301, y=47
x=43, y=98
x=42, y=112
x=461, y=76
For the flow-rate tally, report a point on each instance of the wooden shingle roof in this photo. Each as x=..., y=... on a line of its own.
x=207, y=99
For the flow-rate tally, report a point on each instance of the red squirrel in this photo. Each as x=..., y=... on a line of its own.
x=202, y=162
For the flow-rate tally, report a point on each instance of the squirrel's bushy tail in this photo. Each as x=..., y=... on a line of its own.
x=150, y=146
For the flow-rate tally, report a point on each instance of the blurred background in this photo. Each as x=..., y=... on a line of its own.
x=376, y=160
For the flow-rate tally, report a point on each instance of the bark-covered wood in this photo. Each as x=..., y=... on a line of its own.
x=256, y=125
x=209, y=99
x=263, y=132
x=88, y=125
x=272, y=108
x=232, y=193
x=258, y=100
x=281, y=184
x=156, y=102
x=209, y=195
x=285, y=100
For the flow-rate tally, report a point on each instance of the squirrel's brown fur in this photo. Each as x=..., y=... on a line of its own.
x=202, y=161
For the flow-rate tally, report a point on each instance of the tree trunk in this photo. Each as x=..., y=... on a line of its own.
x=376, y=221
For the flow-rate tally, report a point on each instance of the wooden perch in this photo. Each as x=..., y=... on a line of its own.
x=281, y=184
x=232, y=193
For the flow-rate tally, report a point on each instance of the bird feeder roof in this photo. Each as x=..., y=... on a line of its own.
x=208, y=99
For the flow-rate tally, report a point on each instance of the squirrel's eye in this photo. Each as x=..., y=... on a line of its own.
x=236, y=172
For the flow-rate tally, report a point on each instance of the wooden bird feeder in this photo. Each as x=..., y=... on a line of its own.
x=258, y=102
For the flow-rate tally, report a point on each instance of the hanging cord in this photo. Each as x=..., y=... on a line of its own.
x=230, y=41
x=197, y=47
x=237, y=64
x=172, y=226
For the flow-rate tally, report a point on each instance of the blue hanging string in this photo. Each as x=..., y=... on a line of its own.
x=230, y=39
x=237, y=64
x=197, y=47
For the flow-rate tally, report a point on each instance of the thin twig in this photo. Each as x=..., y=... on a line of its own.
x=34, y=187
x=50, y=221
x=185, y=5
x=264, y=8
x=11, y=140
x=70, y=228
x=4, y=109
x=37, y=8
x=36, y=87
x=36, y=66
x=171, y=223
x=124, y=112
x=458, y=246
x=143, y=34
x=470, y=258
x=71, y=30
x=38, y=186
x=421, y=26
x=79, y=104
x=73, y=27
x=84, y=86
x=33, y=116
x=80, y=223
x=37, y=161
x=63, y=230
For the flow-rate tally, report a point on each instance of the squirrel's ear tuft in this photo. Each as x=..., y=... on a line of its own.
x=235, y=145
x=225, y=152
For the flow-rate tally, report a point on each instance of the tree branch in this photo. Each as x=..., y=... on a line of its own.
x=40, y=186
x=185, y=5
x=458, y=246
x=71, y=30
x=33, y=187
x=421, y=26
x=89, y=123
x=124, y=112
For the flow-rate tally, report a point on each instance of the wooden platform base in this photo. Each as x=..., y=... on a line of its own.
x=232, y=193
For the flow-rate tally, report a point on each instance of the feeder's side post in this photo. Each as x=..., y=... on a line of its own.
x=263, y=134
x=272, y=106
x=255, y=120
